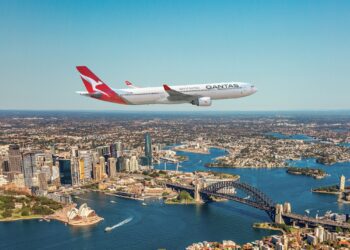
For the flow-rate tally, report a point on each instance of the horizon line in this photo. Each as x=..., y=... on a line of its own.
x=174, y=111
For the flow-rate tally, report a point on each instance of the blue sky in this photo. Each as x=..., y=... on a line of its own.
x=296, y=52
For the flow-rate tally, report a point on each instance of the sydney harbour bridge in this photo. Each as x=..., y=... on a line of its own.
x=253, y=197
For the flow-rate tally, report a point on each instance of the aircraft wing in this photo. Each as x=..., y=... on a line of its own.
x=175, y=95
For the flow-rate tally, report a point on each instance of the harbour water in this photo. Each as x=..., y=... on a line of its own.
x=291, y=137
x=158, y=225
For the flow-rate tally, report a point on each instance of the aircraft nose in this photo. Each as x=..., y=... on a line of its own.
x=253, y=89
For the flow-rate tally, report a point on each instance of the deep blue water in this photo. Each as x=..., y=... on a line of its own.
x=279, y=185
x=176, y=226
x=291, y=137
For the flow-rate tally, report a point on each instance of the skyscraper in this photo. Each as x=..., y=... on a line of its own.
x=81, y=170
x=97, y=172
x=75, y=170
x=134, y=166
x=42, y=181
x=102, y=162
x=28, y=168
x=148, y=149
x=88, y=163
x=15, y=159
x=113, y=150
x=65, y=171
x=120, y=163
x=112, y=167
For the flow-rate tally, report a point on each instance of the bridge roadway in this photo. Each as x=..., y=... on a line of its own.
x=257, y=200
x=313, y=221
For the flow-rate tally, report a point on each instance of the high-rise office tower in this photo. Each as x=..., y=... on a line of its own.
x=106, y=151
x=148, y=149
x=75, y=170
x=65, y=171
x=134, y=165
x=102, y=162
x=29, y=168
x=126, y=164
x=119, y=149
x=42, y=181
x=55, y=174
x=120, y=163
x=47, y=171
x=88, y=163
x=113, y=150
x=96, y=172
x=81, y=170
x=112, y=167
x=15, y=159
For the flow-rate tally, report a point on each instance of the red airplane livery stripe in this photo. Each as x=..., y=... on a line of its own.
x=108, y=94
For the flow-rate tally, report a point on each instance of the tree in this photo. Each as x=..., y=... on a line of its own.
x=25, y=212
x=184, y=195
x=7, y=213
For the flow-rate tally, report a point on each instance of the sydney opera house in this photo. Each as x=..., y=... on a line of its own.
x=83, y=213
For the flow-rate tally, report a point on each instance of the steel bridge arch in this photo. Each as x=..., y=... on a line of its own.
x=257, y=199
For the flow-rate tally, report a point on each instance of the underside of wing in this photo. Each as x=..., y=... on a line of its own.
x=175, y=95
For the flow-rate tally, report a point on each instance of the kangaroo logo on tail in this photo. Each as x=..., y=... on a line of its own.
x=96, y=86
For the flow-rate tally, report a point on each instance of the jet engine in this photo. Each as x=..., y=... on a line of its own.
x=202, y=101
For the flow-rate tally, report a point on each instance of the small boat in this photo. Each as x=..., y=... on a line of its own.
x=144, y=204
x=107, y=229
x=113, y=202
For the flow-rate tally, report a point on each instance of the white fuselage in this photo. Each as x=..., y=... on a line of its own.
x=157, y=95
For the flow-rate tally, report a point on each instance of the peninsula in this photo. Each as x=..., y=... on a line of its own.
x=313, y=172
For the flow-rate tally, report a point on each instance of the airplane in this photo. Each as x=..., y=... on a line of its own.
x=199, y=94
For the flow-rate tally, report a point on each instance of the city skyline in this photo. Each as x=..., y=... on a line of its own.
x=95, y=169
x=294, y=52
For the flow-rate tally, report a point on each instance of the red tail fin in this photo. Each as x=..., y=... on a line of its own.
x=94, y=84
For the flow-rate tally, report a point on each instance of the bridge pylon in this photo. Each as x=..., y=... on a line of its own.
x=278, y=214
x=197, y=188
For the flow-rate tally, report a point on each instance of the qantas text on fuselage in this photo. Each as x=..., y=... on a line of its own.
x=199, y=94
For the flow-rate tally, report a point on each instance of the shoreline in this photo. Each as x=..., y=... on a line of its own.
x=192, y=150
x=247, y=167
x=193, y=202
x=268, y=226
x=38, y=217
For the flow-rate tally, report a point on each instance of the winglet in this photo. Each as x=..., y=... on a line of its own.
x=166, y=87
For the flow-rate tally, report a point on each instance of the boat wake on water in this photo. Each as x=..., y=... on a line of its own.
x=107, y=229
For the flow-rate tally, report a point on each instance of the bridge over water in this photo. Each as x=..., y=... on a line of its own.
x=254, y=198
